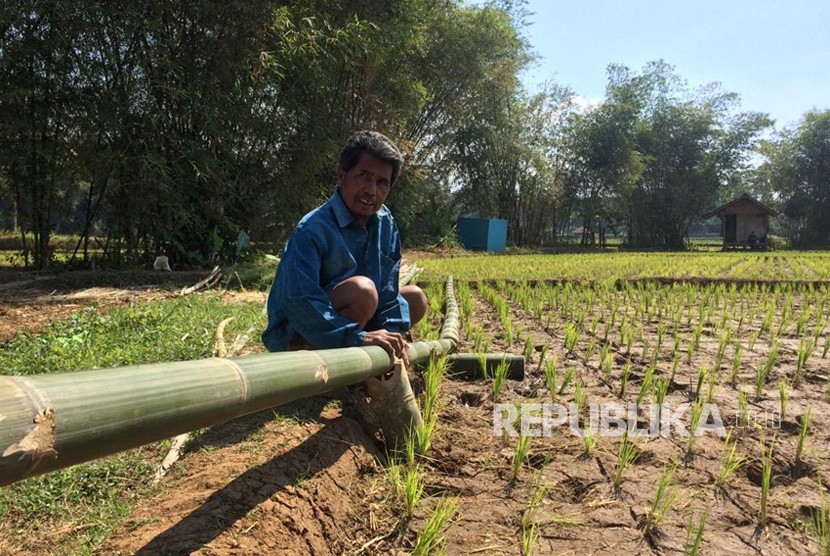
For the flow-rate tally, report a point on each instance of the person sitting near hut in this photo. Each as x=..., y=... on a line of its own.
x=752, y=240
x=337, y=282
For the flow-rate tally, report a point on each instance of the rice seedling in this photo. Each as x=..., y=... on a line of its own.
x=520, y=454
x=697, y=412
x=624, y=378
x=530, y=536
x=766, y=475
x=528, y=347
x=803, y=432
x=542, y=355
x=826, y=347
x=694, y=534
x=783, y=398
x=572, y=335
x=661, y=389
x=753, y=337
x=821, y=524
x=589, y=351
x=647, y=385
x=731, y=461
x=743, y=410
x=805, y=350
x=580, y=396
x=664, y=498
x=589, y=442
x=567, y=379
x=627, y=454
x=552, y=377
x=736, y=365
x=763, y=372
x=499, y=378
x=433, y=537
x=701, y=378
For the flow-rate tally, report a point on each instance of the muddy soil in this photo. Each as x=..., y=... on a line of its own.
x=310, y=479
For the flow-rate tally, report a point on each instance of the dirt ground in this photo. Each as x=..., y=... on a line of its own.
x=308, y=479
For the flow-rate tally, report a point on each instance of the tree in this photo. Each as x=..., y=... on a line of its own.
x=797, y=169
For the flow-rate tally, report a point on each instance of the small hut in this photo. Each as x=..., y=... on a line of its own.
x=744, y=222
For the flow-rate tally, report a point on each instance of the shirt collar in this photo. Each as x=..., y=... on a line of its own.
x=342, y=214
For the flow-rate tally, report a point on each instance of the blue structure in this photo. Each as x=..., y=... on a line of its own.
x=484, y=234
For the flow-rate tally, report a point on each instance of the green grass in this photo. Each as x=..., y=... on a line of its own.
x=104, y=491
x=170, y=330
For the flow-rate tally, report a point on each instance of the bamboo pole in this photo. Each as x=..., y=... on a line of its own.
x=53, y=421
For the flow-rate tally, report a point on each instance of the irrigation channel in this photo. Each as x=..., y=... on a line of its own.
x=49, y=422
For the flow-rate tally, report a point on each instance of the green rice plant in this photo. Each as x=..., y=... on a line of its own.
x=766, y=475
x=826, y=347
x=530, y=537
x=805, y=350
x=627, y=454
x=646, y=345
x=731, y=461
x=478, y=339
x=694, y=534
x=648, y=383
x=572, y=334
x=520, y=454
x=762, y=373
x=753, y=337
x=696, y=335
x=664, y=498
x=567, y=379
x=803, y=432
x=529, y=347
x=433, y=377
x=701, y=378
x=736, y=365
x=821, y=524
x=580, y=396
x=675, y=361
x=743, y=410
x=552, y=377
x=589, y=442
x=661, y=389
x=697, y=413
x=508, y=331
x=542, y=355
x=499, y=378
x=432, y=538
x=605, y=361
x=624, y=378
x=589, y=351
x=783, y=398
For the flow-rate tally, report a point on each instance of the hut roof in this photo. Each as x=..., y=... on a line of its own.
x=742, y=199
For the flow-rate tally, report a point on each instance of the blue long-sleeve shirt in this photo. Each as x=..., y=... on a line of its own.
x=325, y=248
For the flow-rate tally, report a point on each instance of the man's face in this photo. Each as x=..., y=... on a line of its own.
x=364, y=188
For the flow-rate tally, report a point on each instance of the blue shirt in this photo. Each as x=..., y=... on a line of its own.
x=325, y=248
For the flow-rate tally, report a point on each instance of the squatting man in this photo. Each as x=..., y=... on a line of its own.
x=337, y=283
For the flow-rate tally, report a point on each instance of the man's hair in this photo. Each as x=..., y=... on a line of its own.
x=376, y=144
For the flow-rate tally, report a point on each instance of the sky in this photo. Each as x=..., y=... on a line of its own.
x=774, y=54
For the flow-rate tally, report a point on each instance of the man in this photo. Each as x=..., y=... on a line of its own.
x=337, y=282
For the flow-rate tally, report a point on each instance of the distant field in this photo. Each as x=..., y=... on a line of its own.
x=739, y=265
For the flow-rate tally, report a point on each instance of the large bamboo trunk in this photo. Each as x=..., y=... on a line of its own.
x=49, y=422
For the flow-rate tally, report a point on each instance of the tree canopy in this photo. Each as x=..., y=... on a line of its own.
x=169, y=127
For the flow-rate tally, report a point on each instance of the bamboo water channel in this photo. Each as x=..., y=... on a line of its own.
x=53, y=421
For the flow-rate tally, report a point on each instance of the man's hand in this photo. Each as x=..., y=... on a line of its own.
x=392, y=342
